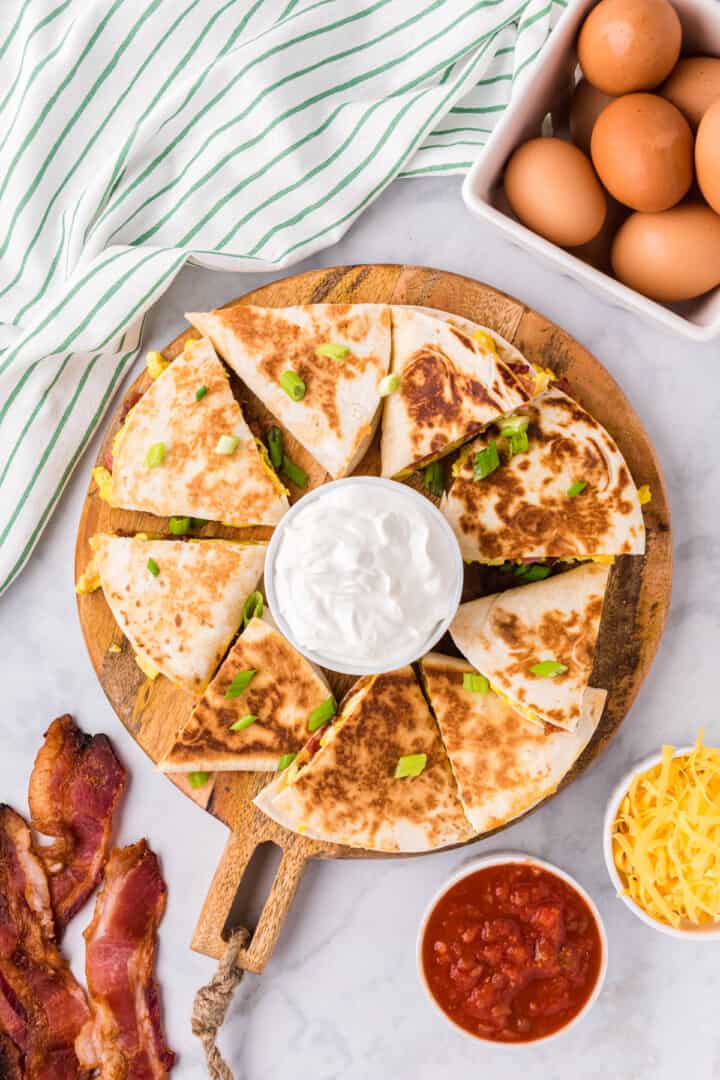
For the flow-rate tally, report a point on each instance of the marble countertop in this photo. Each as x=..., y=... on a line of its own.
x=340, y=997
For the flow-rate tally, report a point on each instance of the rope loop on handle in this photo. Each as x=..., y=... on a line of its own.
x=213, y=1001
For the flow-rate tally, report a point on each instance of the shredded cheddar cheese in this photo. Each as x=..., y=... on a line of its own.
x=666, y=837
x=485, y=340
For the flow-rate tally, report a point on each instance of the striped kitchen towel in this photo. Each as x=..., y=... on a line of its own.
x=247, y=134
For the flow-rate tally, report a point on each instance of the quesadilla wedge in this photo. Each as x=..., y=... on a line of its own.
x=316, y=367
x=536, y=644
x=256, y=709
x=178, y=602
x=503, y=763
x=451, y=383
x=343, y=786
x=560, y=489
x=186, y=450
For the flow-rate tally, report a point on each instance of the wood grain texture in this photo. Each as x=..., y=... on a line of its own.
x=633, y=618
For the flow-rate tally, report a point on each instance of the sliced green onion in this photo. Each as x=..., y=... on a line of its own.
x=533, y=572
x=475, y=683
x=153, y=567
x=518, y=443
x=240, y=683
x=507, y=568
x=198, y=779
x=322, y=714
x=253, y=607
x=197, y=523
x=514, y=425
x=293, y=385
x=180, y=526
x=285, y=760
x=434, y=479
x=155, y=455
x=486, y=461
x=293, y=472
x=227, y=444
x=576, y=489
x=200, y=392
x=334, y=352
x=410, y=765
x=548, y=669
x=243, y=722
x=389, y=384
x=275, y=446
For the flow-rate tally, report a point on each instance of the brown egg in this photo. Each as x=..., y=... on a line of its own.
x=707, y=156
x=627, y=45
x=597, y=251
x=552, y=188
x=587, y=104
x=693, y=86
x=670, y=256
x=642, y=149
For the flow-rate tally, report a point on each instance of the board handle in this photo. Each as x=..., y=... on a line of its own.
x=211, y=935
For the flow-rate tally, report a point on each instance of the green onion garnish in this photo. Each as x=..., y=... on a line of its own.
x=293, y=472
x=486, y=461
x=155, y=455
x=200, y=392
x=153, y=567
x=576, y=488
x=198, y=779
x=253, y=607
x=513, y=425
x=243, y=722
x=227, y=444
x=548, y=669
x=533, y=572
x=322, y=714
x=180, y=526
x=434, y=479
x=293, y=385
x=475, y=683
x=410, y=765
x=334, y=352
x=197, y=523
x=285, y=760
x=507, y=568
x=518, y=443
x=275, y=446
x=240, y=683
x=389, y=384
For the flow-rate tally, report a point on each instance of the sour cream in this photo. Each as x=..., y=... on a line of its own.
x=364, y=575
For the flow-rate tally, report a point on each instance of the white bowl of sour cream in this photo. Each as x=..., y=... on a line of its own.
x=363, y=575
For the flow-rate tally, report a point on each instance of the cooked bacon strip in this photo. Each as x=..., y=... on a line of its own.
x=9, y=1060
x=75, y=787
x=124, y=1038
x=42, y=1007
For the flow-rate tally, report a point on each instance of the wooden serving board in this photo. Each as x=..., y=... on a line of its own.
x=633, y=618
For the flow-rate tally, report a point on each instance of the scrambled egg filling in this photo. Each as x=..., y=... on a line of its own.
x=146, y=666
x=156, y=364
x=103, y=479
x=88, y=581
x=644, y=494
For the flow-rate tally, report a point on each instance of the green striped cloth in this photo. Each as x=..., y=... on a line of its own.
x=247, y=134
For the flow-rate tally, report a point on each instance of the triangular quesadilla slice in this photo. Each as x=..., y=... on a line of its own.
x=378, y=778
x=558, y=488
x=178, y=602
x=257, y=708
x=316, y=367
x=451, y=383
x=536, y=644
x=185, y=450
x=503, y=763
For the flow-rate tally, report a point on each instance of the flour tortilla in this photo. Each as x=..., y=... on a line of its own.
x=337, y=418
x=558, y=619
x=182, y=620
x=503, y=763
x=194, y=480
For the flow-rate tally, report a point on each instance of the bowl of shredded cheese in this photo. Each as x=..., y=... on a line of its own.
x=662, y=841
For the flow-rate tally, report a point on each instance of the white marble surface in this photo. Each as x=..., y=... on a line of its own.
x=340, y=997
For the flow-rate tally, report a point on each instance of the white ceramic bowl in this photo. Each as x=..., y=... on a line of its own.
x=549, y=88
x=402, y=657
x=687, y=932
x=495, y=859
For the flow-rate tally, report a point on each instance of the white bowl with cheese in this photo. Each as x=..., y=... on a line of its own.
x=687, y=931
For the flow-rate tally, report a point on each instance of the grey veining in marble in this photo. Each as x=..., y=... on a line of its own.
x=340, y=997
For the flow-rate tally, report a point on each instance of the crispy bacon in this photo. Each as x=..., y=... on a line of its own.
x=75, y=787
x=124, y=1038
x=42, y=1007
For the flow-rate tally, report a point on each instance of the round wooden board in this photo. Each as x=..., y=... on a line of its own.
x=633, y=617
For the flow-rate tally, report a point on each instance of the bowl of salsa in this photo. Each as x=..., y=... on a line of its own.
x=512, y=950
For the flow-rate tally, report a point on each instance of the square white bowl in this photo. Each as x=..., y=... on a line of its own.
x=549, y=89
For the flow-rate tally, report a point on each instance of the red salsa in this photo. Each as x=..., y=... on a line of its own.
x=511, y=953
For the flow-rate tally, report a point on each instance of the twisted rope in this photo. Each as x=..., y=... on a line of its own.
x=212, y=1003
